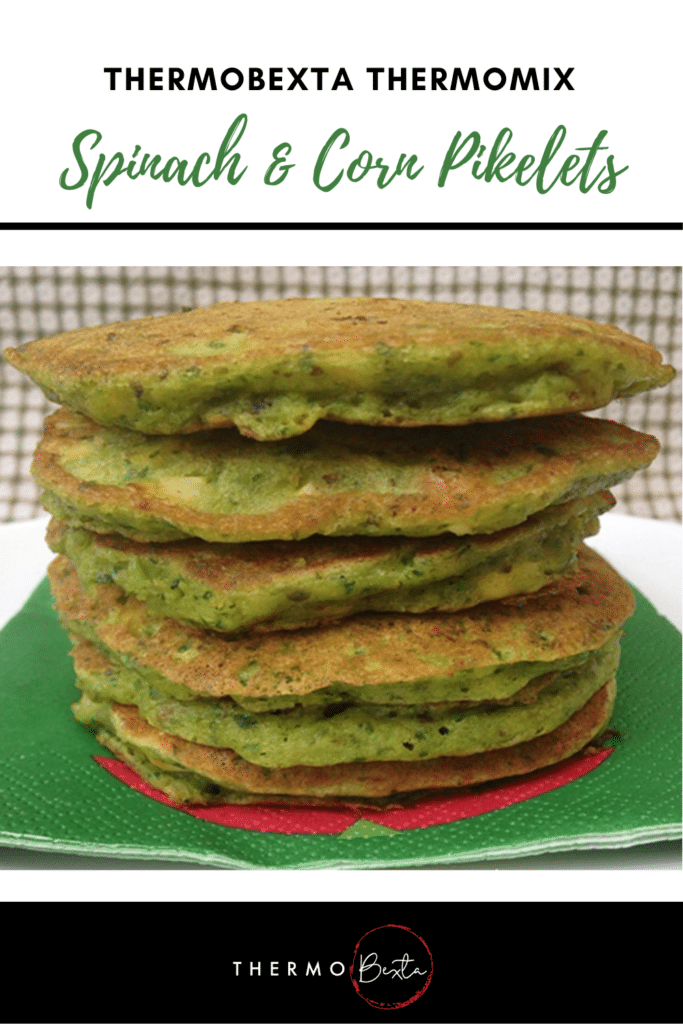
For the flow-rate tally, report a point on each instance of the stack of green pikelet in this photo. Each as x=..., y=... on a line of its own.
x=329, y=551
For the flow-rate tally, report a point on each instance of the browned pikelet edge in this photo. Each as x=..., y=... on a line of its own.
x=281, y=327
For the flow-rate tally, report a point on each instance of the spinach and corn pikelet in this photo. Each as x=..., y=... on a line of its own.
x=274, y=368
x=336, y=481
x=269, y=607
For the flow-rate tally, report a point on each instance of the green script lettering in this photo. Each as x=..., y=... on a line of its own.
x=574, y=168
x=340, y=133
x=277, y=160
x=363, y=164
x=174, y=168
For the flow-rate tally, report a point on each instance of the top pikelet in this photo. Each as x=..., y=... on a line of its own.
x=274, y=368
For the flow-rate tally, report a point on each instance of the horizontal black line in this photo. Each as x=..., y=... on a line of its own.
x=343, y=226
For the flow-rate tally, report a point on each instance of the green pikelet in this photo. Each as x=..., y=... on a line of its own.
x=198, y=774
x=368, y=481
x=284, y=584
x=274, y=368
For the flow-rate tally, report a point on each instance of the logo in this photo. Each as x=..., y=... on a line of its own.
x=392, y=967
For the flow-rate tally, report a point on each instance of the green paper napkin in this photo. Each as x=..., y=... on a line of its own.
x=55, y=797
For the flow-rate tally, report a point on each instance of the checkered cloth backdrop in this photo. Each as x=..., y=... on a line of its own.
x=645, y=301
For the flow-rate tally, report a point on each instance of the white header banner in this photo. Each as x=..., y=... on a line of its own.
x=369, y=112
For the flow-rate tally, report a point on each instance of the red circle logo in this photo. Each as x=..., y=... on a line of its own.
x=392, y=967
